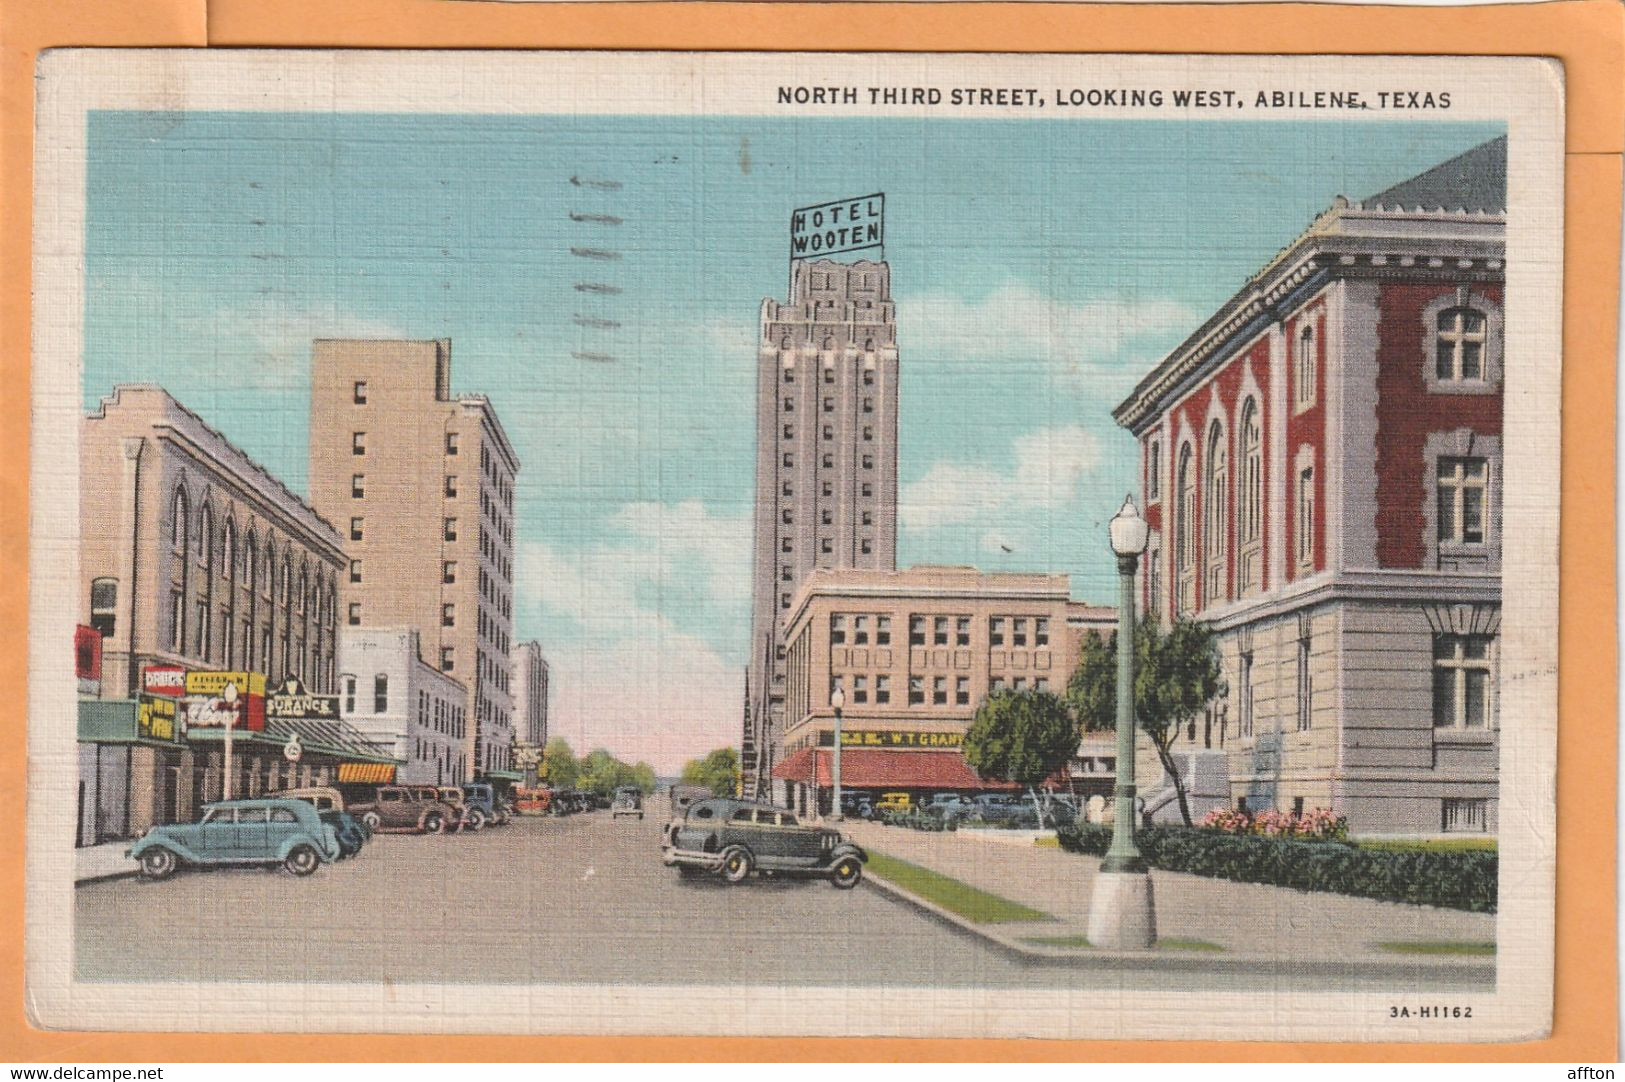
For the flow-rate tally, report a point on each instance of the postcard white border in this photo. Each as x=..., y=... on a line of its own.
x=1525, y=93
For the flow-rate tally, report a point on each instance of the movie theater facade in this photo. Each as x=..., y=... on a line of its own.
x=1322, y=472
x=914, y=653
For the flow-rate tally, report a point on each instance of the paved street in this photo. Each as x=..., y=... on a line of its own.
x=583, y=899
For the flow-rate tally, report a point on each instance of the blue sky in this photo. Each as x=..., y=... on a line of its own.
x=1040, y=267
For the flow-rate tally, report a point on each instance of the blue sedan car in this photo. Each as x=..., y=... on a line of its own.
x=286, y=832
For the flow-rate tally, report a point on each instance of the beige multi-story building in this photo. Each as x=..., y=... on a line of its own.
x=193, y=557
x=422, y=483
x=530, y=690
x=826, y=462
x=407, y=708
x=915, y=652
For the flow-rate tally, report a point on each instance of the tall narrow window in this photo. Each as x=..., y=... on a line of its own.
x=1250, y=502
x=1306, y=690
x=1461, y=681
x=1153, y=470
x=380, y=694
x=349, y=694
x=104, y=606
x=1459, y=353
x=1185, y=530
x=358, y=443
x=1305, y=546
x=1245, y=690
x=354, y=615
x=1305, y=369
x=360, y=392
x=1217, y=501
x=451, y=443
x=355, y=570
x=1462, y=485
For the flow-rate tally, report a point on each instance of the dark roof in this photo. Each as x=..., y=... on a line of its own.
x=1473, y=181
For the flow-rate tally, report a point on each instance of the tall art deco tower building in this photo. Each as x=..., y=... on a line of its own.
x=826, y=462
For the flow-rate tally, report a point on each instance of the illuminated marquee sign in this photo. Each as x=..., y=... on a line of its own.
x=891, y=738
x=846, y=225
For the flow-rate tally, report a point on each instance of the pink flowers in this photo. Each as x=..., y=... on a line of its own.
x=1319, y=824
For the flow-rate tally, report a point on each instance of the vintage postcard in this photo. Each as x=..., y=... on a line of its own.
x=933, y=545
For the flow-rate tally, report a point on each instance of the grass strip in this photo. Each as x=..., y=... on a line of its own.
x=1437, y=946
x=1057, y=940
x=958, y=898
x=1430, y=845
x=1175, y=943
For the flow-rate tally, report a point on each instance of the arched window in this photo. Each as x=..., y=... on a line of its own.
x=1459, y=350
x=180, y=533
x=205, y=537
x=179, y=526
x=287, y=580
x=1217, y=502
x=1305, y=368
x=268, y=586
x=1250, y=501
x=1185, y=530
x=228, y=553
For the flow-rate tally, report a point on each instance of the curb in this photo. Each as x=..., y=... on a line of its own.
x=1410, y=968
x=107, y=877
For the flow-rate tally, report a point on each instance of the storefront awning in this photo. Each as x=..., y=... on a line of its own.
x=866, y=768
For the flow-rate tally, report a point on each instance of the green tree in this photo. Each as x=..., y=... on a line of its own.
x=718, y=772
x=559, y=767
x=602, y=773
x=643, y=776
x=1021, y=736
x=1176, y=674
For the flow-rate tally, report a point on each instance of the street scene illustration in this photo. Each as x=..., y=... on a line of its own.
x=662, y=550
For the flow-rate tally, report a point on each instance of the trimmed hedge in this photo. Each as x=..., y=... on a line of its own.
x=1453, y=880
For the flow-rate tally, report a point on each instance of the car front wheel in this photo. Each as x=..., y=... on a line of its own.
x=372, y=820
x=158, y=863
x=302, y=860
x=736, y=866
x=847, y=873
x=433, y=823
x=476, y=819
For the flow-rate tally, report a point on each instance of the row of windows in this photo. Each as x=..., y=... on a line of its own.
x=1461, y=684
x=827, y=460
x=867, y=405
x=945, y=630
x=939, y=690
x=829, y=369
x=828, y=432
x=866, y=489
x=219, y=554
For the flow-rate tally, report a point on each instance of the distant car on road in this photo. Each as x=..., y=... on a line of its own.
x=264, y=831
x=483, y=796
x=734, y=838
x=683, y=796
x=949, y=806
x=857, y=804
x=399, y=809
x=628, y=801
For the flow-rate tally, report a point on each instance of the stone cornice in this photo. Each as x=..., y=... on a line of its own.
x=1343, y=243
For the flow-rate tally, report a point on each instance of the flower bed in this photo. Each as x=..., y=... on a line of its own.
x=1454, y=880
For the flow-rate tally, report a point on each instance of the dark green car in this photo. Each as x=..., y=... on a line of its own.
x=734, y=838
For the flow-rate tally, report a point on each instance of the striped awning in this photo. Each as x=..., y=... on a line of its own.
x=367, y=773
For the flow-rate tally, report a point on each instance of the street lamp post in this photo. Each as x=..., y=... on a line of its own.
x=1121, y=914
x=837, y=699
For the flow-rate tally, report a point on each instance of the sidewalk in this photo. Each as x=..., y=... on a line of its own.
x=1214, y=918
x=92, y=863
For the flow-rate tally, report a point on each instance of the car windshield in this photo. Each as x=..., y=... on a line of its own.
x=215, y=815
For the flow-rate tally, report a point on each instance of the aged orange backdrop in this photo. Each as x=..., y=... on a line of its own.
x=1587, y=36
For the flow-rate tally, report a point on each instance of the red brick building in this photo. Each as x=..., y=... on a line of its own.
x=1321, y=467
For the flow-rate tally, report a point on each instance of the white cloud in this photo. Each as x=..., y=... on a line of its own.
x=633, y=674
x=1045, y=472
x=691, y=531
x=1016, y=319
x=277, y=333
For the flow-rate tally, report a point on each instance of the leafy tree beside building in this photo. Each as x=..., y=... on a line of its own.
x=1021, y=736
x=718, y=772
x=1176, y=674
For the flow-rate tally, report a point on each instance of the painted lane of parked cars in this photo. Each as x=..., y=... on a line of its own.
x=303, y=828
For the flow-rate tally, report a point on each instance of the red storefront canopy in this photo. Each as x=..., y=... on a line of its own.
x=871, y=768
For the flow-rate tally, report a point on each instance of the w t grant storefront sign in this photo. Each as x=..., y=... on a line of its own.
x=891, y=738
x=846, y=225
